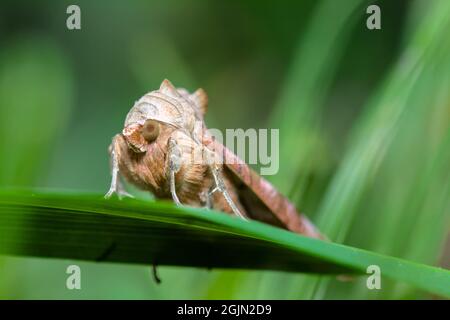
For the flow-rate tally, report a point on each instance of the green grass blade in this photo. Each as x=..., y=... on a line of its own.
x=90, y=228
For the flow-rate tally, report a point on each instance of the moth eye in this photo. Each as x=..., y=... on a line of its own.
x=150, y=130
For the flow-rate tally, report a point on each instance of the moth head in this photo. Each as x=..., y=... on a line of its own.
x=159, y=106
x=143, y=124
x=169, y=107
x=139, y=136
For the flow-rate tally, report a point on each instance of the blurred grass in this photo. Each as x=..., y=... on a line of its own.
x=385, y=178
x=406, y=87
x=36, y=97
x=36, y=92
x=298, y=116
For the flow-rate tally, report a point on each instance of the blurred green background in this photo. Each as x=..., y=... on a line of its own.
x=364, y=119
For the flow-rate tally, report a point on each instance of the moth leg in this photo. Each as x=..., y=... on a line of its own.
x=205, y=197
x=121, y=192
x=116, y=184
x=114, y=170
x=220, y=186
x=174, y=167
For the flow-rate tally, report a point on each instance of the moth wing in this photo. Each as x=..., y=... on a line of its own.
x=260, y=198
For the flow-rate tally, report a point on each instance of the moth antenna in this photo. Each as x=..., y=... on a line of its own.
x=220, y=186
x=174, y=167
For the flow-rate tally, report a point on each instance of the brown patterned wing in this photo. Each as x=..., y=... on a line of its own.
x=260, y=198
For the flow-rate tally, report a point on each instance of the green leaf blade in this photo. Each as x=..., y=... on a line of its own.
x=88, y=227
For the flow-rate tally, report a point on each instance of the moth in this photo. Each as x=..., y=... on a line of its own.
x=165, y=148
